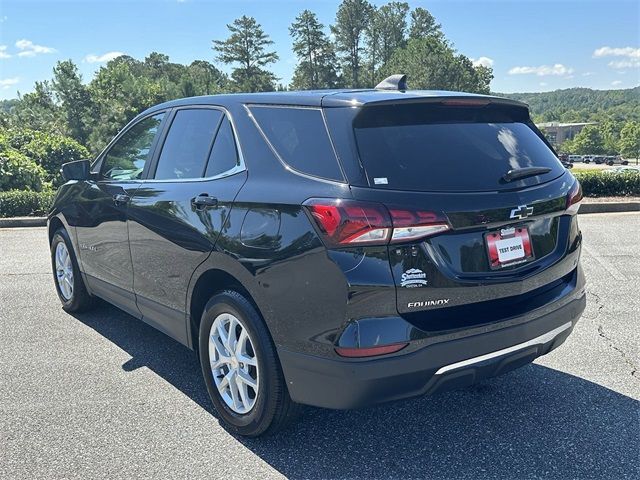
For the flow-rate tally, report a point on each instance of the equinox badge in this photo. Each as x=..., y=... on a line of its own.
x=523, y=211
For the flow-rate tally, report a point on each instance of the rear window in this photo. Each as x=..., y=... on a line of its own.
x=443, y=148
x=300, y=138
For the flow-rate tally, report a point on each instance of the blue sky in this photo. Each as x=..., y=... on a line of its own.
x=532, y=45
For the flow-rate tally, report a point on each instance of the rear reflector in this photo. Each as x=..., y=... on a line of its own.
x=574, y=198
x=370, y=351
x=351, y=222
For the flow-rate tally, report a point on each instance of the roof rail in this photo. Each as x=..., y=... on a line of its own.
x=394, y=82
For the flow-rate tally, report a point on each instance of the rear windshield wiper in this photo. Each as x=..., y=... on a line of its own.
x=519, y=173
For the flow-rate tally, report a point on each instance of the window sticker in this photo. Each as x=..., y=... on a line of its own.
x=381, y=181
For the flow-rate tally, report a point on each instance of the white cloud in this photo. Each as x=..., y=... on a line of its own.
x=543, y=84
x=29, y=49
x=106, y=57
x=3, y=52
x=543, y=70
x=619, y=64
x=484, y=61
x=8, y=82
x=617, y=52
x=616, y=82
x=588, y=74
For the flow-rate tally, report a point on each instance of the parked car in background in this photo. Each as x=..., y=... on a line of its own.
x=615, y=160
x=587, y=158
x=574, y=158
x=599, y=159
x=332, y=248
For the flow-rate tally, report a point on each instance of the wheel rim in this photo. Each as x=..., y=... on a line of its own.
x=64, y=271
x=234, y=364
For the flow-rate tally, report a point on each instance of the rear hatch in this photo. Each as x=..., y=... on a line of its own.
x=480, y=172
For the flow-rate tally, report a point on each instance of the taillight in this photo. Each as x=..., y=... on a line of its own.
x=574, y=198
x=351, y=222
x=347, y=222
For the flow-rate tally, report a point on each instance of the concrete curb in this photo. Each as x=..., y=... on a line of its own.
x=23, y=222
x=609, y=207
x=603, y=207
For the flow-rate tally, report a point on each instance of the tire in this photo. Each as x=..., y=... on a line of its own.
x=625, y=162
x=265, y=407
x=610, y=163
x=76, y=298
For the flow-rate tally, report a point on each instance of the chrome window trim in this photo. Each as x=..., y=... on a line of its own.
x=232, y=171
x=542, y=339
x=289, y=168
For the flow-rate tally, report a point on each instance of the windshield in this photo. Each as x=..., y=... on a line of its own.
x=422, y=147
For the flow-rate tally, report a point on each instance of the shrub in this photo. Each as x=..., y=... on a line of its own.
x=19, y=203
x=48, y=150
x=598, y=184
x=17, y=171
x=51, y=151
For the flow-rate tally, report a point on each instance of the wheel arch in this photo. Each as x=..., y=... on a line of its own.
x=211, y=279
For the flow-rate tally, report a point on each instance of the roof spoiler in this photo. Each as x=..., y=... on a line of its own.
x=394, y=82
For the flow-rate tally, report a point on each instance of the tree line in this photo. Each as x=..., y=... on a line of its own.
x=363, y=46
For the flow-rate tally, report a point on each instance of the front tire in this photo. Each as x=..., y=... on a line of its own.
x=241, y=368
x=66, y=275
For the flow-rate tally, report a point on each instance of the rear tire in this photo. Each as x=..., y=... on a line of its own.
x=246, y=361
x=67, y=278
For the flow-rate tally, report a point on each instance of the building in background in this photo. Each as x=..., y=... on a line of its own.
x=557, y=132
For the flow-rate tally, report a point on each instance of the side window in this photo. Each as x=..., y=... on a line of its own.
x=224, y=155
x=125, y=160
x=300, y=138
x=186, y=148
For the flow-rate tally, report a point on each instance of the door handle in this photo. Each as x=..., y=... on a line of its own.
x=204, y=200
x=119, y=198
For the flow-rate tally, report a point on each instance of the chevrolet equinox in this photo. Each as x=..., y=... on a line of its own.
x=330, y=248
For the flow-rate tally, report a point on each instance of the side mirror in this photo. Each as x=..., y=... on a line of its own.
x=78, y=170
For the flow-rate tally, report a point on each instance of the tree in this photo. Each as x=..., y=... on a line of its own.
x=37, y=110
x=588, y=141
x=392, y=26
x=431, y=64
x=74, y=100
x=423, y=25
x=352, y=19
x=246, y=47
x=204, y=79
x=316, y=58
x=629, y=143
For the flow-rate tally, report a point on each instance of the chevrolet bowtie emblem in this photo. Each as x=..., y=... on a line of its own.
x=523, y=211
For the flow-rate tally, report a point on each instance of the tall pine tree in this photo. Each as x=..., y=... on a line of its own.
x=316, y=58
x=246, y=47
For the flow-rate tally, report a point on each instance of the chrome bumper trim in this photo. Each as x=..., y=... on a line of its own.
x=542, y=339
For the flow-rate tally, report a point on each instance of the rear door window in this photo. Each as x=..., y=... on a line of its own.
x=188, y=143
x=299, y=137
x=436, y=148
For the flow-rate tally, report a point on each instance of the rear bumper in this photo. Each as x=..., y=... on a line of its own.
x=346, y=384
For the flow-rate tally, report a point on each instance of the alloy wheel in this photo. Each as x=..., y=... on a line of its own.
x=64, y=271
x=234, y=364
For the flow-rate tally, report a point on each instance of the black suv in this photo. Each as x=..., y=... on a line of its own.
x=330, y=248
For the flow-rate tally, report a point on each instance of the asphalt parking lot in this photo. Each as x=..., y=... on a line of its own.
x=102, y=395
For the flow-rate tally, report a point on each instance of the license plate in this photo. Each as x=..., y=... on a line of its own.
x=508, y=246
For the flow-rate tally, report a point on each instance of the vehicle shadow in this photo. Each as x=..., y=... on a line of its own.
x=535, y=422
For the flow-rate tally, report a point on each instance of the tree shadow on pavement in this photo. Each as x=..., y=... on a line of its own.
x=534, y=422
